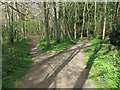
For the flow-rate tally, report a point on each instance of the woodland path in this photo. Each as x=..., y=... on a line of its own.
x=65, y=69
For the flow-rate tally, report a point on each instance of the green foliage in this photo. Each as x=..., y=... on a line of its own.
x=105, y=69
x=17, y=33
x=90, y=37
x=33, y=26
x=56, y=46
x=16, y=60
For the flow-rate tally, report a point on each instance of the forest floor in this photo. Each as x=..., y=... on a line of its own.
x=63, y=69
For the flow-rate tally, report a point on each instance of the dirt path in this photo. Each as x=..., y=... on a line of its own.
x=65, y=69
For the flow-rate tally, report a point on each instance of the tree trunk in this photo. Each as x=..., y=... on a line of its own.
x=95, y=18
x=63, y=24
x=66, y=25
x=46, y=24
x=88, y=20
x=57, y=30
x=24, y=22
x=12, y=38
x=118, y=9
x=11, y=24
x=83, y=21
x=103, y=37
x=60, y=19
x=68, y=33
x=75, y=27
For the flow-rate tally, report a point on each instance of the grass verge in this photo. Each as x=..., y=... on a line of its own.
x=16, y=60
x=106, y=64
x=56, y=46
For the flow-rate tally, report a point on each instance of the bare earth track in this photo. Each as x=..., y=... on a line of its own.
x=65, y=69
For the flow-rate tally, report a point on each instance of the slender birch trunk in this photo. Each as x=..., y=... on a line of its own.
x=95, y=18
x=75, y=27
x=103, y=37
x=83, y=21
x=88, y=20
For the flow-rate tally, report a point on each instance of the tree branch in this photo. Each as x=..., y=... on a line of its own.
x=13, y=8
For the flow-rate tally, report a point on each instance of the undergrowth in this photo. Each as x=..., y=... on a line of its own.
x=106, y=64
x=56, y=46
x=16, y=60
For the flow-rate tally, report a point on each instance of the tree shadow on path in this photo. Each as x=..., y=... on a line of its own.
x=85, y=73
x=48, y=80
x=38, y=64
